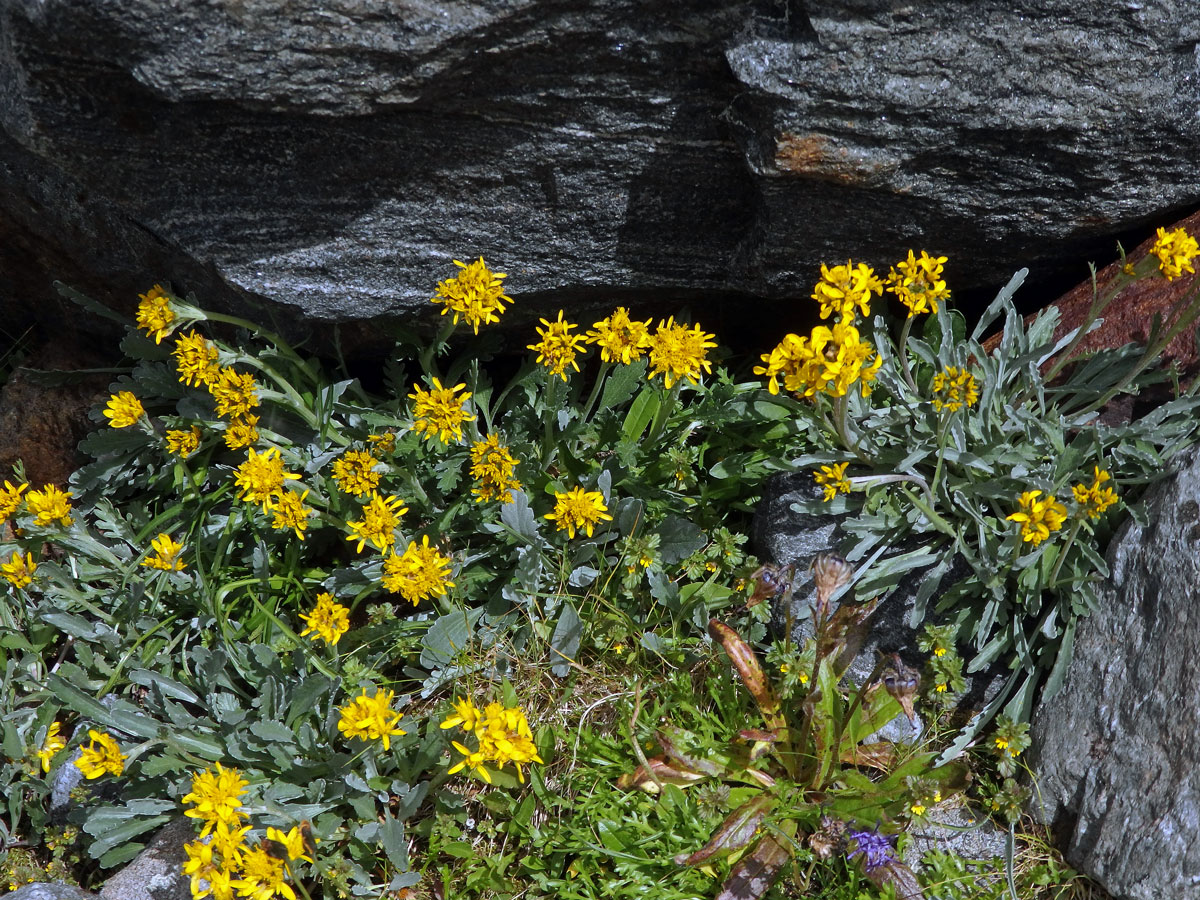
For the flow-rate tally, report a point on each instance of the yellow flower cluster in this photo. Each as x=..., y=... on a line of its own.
x=440, y=411
x=1094, y=499
x=10, y=499
x=845, y=291
x=833, y=480
x=918, y=283
x=476, y=294
x=417, y=574
x=154, y=313
x=53, y=742
x=620, y=338
x=195, y=359
x=501, y=735
x=261, y=477
x=558, y=348
x=101, y=756
x=492, y=468
x=355, y=472
x=371, y=718
x=381, y=517
x=328, y=621
x=18, y=571
x=183, y=443
x=49, y=505
x=1038, y=517
x=580, y=510
x=166, y=554
x=123, y=409
x=954, y=388
x=1175, y=251
x=678, y=352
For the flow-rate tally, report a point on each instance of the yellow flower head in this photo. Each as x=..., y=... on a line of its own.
x=833, y=480
x=918, y=283
x=384, y=443
x=241, y=432
x=558, y=348
x=18, y=571
x=441, y=411
x=677, y=352
x=578, y=509
x=417, y=574
x=620, y=338
x=10, y=499
x=261, y=477
x=492, y=467
x=846, y=290
x=473, y=759
x=263, y=877
x=293, y=843
x=195, y=359
x=466, y=715
x=200, y=865
x=355, y=472
x=101, y=756
x=1175, y=251
x=184, y=443
x=1094, y=499
x=371, y=718
x=954, y=388
x=50, y=505
x=166, y=554
x=328, y=621
x=290, y=513
x=124, y=409
x=51, y=745
x=381, y=517
x=216, y=798
x=235, y=394
x=476, y=294
x=1038, y=517
x=154, y=313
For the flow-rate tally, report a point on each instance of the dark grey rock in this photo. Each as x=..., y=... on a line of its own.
x=66, y=778
x=156, y=873
x=333, y=157
x=1115, y=755
x=45, y=890
x=953, y=829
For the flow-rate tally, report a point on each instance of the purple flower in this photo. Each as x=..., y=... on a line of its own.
x=876, y=849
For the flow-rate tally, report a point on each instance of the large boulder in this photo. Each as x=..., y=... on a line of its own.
x=333, y=157
x=1115, y=755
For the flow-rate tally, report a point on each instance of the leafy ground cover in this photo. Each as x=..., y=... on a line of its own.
x=462, y=638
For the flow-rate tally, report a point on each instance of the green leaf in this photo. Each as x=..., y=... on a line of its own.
x=641, y=414
x=276, y=732
x=621, y=383
x=391, y=830
x=564, y=642
x=519, y=517
x=168, y=686
x=448, y=637
x=679, y=539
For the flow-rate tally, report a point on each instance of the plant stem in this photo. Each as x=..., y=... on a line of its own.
x=843, y=431
x=428, y=355
x=941, y=456
x=1062, y=556
x=902, y=353
x=600, y=376
x=667, y=403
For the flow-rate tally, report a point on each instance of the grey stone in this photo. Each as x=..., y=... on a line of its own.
x=329, y=159
x=45, y=890
x=1115, y=755
x=66, y=778
x=157, y=872
x=953, y=829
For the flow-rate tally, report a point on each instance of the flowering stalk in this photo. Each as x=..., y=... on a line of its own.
x=284, y=348
x=667, y=402
x=428, y=354
x=842, y=429
x=605, y=366
x=902, y=353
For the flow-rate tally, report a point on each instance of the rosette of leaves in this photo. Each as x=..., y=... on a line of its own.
x=811, y=771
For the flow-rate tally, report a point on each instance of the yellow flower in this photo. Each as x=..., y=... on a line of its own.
x=10, y=499
x=475, y=759
x=51, y=745
x=466, y=715
x=184, y=443
x=829, y=360
x=939, y=651
x=492, y=467
x=620, y=338
x=846, y=290
x=1093, y=499
x=235, y=393
x=328, y=621
x=49, y=505
x=166, y=554
x=954, y=388
x=124, y=409
x=918, y=283
x=355, y=472
x=101, y=756
x=220, y=884
x=293, y=842
x=917, y=809
x=18, y=571
x=290, y=513
x=216, y=798
x=677, y=352
x=230, y=841
x=154, y=313
x=558, y=348
x=1038, y=517
x=833, y=480
x=381, y=516
x=440, y=411
x=199, y=865
x=384, y=443
x=242, y=432
x=195, y=359
x=421, y=572
x=476, y=294
x=503, y=736
x=941, y=687
x=371, y=718
x=262, y=877
x=1175, y=251
x=578, y=509
x=261, y=477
